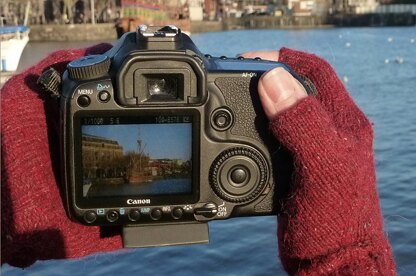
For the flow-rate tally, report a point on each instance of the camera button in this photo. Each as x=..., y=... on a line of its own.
x=104, y=96
x=222, y=119
x=90, y=216
x=156, y=214
x=112, y=216
x=83, y=101
x=134, y=215
x=177, y=212
x=239, y=176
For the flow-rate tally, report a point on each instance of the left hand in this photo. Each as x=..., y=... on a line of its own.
x=34, y=225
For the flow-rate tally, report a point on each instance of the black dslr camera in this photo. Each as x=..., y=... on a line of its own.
x=161, y=139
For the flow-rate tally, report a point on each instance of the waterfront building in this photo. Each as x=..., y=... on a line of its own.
x=355, y=6
x=158, y=13
x=100, y=156
x=300, y=7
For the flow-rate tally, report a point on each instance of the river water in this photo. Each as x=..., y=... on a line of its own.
x=365, y=58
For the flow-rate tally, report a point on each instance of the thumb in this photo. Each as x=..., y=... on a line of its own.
x=298, y=121
x=279, y=91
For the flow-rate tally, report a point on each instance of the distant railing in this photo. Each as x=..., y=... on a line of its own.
x=397, y=8
x=386, y=9
x=271, y=22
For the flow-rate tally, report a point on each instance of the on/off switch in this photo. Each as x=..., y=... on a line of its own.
x=208, y=210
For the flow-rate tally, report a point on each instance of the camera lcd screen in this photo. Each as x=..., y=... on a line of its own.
x=136, y=156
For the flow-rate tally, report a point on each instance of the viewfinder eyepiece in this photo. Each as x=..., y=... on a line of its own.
x=164, y=86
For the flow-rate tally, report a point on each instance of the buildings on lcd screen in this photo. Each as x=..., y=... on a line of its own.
x=98, y=156
x=105, y=158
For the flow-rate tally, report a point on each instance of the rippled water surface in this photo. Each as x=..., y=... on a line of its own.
x=365, y=59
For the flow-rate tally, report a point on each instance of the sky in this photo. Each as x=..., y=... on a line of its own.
x=172, y=141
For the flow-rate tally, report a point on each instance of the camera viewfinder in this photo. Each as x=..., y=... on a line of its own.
x=164, y=87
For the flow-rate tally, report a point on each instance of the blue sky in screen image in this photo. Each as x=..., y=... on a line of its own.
x=172, y=141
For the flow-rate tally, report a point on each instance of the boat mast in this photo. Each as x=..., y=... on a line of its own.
x=140, y=149
x=27, y=10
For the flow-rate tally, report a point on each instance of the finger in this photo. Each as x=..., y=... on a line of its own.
x=98, y=49
x=267, y=55
x=279, y=91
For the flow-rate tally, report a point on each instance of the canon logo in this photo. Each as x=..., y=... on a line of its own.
x=137, y=201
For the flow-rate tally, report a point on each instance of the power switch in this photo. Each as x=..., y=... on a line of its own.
x=208, y=210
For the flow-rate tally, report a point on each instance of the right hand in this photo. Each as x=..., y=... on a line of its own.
x=331, y=220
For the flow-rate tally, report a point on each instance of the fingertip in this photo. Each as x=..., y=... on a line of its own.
x=267, y=104
x=266, y=55
x=98, y=49
x=278, y=91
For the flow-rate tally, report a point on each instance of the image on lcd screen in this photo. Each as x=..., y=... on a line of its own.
x=137, y=159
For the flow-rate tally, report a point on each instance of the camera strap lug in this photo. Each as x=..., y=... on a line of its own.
x=51, y=81
x=150, y=235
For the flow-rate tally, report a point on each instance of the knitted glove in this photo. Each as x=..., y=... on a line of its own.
x=33, y=221
x=331, y=221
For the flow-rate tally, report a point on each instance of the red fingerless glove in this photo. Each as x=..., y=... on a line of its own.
x=331, y=221
x=33, y=220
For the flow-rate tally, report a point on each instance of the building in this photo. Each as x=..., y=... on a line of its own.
x=355, y=6
x=301, y=7
x=100, y=157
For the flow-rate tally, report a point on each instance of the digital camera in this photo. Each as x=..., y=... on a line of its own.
x=161, y=139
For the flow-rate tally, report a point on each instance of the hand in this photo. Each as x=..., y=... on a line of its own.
x=34, y=225
x=331, y=221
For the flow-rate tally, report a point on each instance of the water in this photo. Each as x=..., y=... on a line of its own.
x=384, y=89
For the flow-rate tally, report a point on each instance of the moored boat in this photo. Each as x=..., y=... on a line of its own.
x=140, y=12
x=13, y=41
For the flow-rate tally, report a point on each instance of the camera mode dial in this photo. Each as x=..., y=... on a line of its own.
x=239, y=174
x=89, y=67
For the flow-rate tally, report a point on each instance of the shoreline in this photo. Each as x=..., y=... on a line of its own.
x=107, y=31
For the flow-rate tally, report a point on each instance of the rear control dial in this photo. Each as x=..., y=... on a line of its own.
x=239, y=174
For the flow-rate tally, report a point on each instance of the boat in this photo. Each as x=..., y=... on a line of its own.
x=138, y=168
x=13, y=41
x=141, y=12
